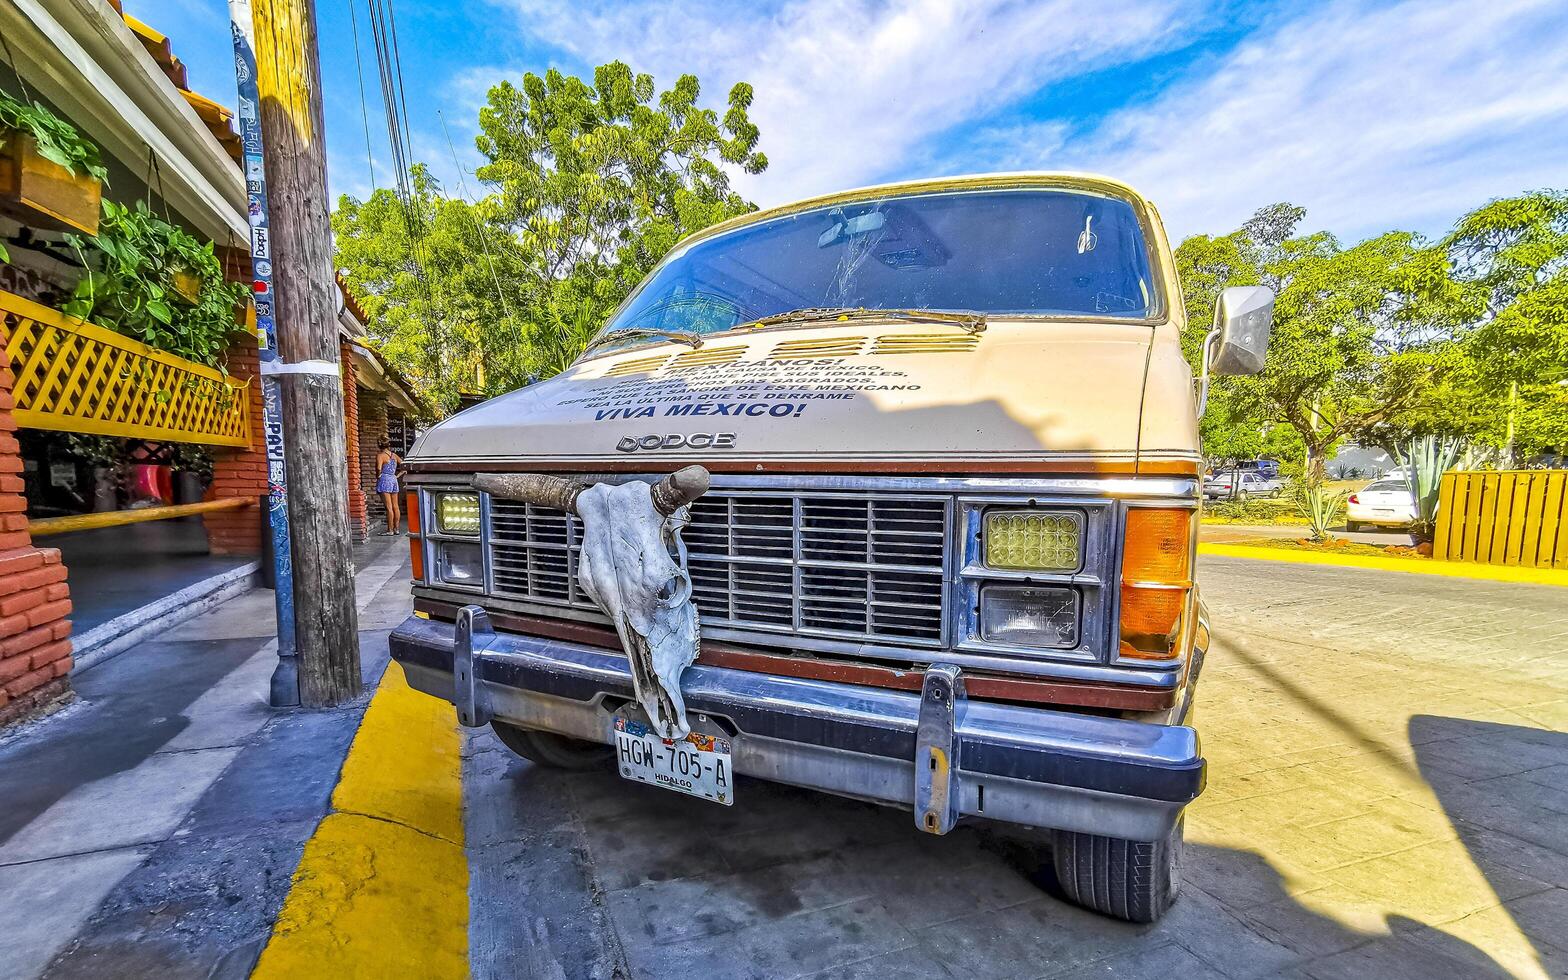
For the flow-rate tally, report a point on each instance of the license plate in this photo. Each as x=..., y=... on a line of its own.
x=697, y=765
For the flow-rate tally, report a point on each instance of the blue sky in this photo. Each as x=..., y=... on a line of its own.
x=1371, y=115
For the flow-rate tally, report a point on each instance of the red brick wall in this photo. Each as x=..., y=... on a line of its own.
x=35, y=644
x=358, y=517
x=240, y=472
x=372, y=429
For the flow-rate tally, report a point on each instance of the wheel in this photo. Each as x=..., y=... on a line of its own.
x=551, y=750
x=1352, y=525
x=1132, y=880
x=1241, y=496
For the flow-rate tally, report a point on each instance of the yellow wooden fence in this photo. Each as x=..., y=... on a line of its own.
x=1516, y=517
x=76, y=377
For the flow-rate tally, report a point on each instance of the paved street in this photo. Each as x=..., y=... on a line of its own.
x=1388, y=760
x=1386, y=799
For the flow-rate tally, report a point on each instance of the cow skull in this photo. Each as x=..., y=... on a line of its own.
x=633, y=565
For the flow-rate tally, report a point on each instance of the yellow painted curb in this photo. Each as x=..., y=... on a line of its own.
x=382, y=888
x=1452, y=569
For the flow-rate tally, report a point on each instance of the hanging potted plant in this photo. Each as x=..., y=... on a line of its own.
x=130, y=286
x=186, y=285
x=50, y=176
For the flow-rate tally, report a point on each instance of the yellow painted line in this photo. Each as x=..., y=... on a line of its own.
x=382, y=888
x=1452, y=569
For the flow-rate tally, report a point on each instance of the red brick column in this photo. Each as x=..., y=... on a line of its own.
x=358, y=517
x=35, y=644
x=372, y=429
x=240, y=472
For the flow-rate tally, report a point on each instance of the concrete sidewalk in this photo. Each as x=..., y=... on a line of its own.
x=151, y=827
x=1385, y=799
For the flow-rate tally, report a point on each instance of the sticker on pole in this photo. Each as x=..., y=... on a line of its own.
x=697, y=765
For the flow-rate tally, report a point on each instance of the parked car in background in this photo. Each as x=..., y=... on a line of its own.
x=1385, y=502
x=1241, y=485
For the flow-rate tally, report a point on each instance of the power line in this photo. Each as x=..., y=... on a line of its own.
x=484, y=241
x=364, y=108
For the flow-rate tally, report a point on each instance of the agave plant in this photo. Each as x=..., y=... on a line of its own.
x=1320, y=507
x=1425, y=461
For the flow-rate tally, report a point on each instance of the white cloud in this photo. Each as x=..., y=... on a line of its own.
x=1372, y=117
x=848, y=91
x=1401, y=117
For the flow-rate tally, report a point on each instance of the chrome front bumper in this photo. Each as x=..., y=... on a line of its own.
x=937, y=752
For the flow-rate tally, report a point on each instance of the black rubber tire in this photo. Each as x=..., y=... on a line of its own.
x=1241, y=496
x=1352, y=526
x=552, y=751
x=1131, y=880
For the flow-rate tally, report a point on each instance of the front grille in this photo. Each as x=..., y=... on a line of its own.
x=533, y=553
x=857, y=566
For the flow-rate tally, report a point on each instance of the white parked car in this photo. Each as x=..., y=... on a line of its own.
x=1384, y=502
x=1231, y=485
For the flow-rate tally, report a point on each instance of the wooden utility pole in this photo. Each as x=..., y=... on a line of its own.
x=288, y=78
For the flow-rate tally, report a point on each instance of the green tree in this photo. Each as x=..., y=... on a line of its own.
x=1507, y=280
x=438, y=278
x=1510, y=260
x=589, y=185
x=1360, y=334
x=598, y=182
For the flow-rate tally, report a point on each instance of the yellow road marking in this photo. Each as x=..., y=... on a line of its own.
x=1452, y=569
x=382, y=888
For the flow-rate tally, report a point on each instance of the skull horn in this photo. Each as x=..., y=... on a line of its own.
x=679, y=489
x=534, y=488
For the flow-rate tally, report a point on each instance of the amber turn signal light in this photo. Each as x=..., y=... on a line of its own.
x=1156, y=580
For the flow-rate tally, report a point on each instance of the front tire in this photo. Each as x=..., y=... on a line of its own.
x=550, y=750
x=1136, y=881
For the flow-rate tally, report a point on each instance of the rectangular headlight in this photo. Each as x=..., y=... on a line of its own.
x=1033, y=540
x=457, y=513
x=1029, y=616
x=459, y=564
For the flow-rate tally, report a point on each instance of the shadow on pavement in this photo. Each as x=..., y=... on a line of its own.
x=583, y=874
x=1505, y=790
x=135, y=705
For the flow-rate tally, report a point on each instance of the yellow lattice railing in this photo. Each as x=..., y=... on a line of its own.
x=76, y=377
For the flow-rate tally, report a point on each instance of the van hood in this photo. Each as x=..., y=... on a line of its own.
x=1030, y=396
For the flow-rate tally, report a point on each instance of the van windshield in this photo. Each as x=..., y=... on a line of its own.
x=1043, y=252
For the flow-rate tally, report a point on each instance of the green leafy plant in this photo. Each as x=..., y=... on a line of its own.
x=1320, y=506
x=98, y=452
x=1425, y=461
x=57, y=140
x=1250, y=512
x=187, y=457
x=131, y=290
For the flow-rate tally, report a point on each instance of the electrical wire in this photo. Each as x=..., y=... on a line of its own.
x=394, y=100
x=364, y=108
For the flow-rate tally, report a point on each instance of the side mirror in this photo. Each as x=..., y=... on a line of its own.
x=1240, y=338
x=1242, y=321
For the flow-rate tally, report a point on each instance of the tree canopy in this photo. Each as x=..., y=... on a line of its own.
x=587, y=187
x=1395, y=336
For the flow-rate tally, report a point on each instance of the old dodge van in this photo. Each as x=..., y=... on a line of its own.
x=941, y=547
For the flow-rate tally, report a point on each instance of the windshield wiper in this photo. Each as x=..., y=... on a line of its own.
x=970, y=322
x=632, y=333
